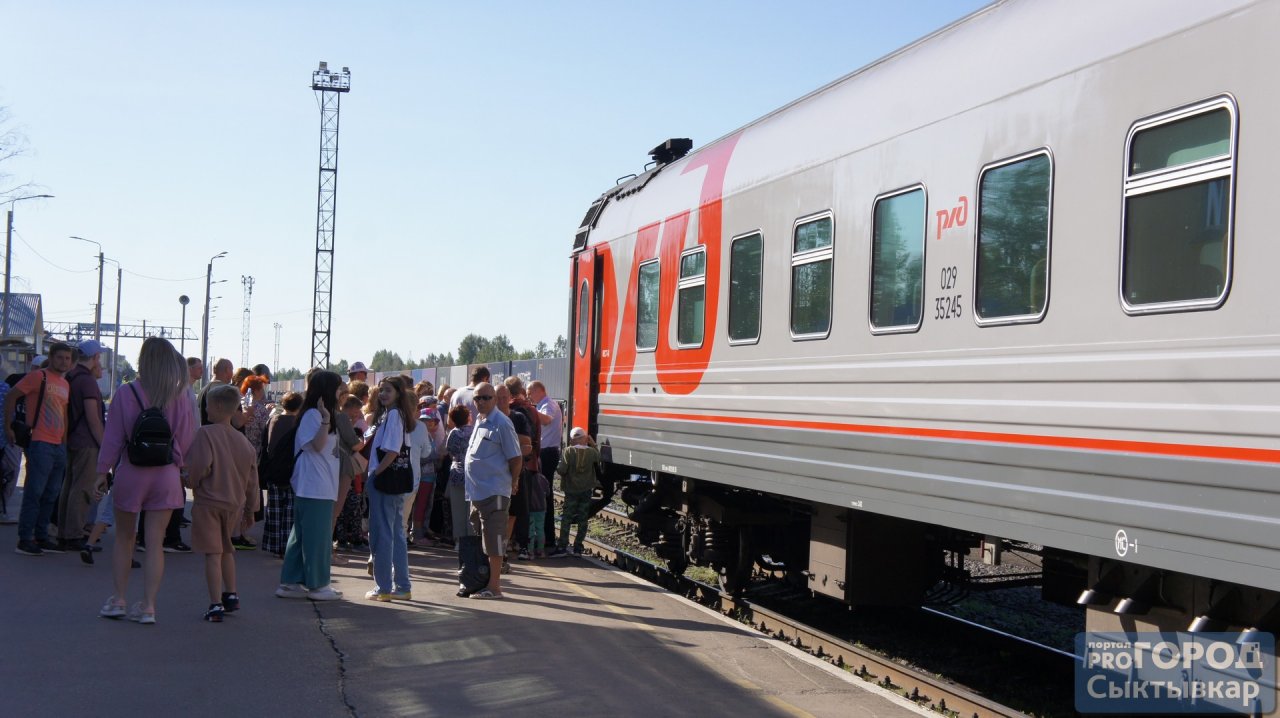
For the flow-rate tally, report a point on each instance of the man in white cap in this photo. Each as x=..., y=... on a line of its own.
x=577, y=471
x=85, y=420
x=38, y=361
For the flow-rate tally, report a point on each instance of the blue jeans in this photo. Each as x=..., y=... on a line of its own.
x=387, y=540
x=46, y=465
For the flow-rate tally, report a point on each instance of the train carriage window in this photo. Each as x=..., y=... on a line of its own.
x=1011, y=275
x=812, y=256
x=746, y=258
x=647, y=307
x=897, y=261
x=1178, y=199
x=691, y=298
x=582, y=320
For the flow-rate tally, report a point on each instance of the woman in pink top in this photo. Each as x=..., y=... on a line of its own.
x=161, y=382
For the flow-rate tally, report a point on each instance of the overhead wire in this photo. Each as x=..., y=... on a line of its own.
x=47, y=260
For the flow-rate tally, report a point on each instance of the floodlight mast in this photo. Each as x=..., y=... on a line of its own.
x=329, y=86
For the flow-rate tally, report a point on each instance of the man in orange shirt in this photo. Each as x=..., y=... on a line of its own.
x=46, y=393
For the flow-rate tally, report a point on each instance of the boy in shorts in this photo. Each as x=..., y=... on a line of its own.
x=222, y=474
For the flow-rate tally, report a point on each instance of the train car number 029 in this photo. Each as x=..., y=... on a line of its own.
x=948, y=307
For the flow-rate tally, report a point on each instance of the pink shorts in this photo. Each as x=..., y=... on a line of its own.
x=148, y=488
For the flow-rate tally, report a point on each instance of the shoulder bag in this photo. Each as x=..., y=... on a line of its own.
x=398, y=477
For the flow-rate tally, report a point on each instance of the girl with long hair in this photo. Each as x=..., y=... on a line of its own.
x=396, y=419
x=305, y=573
x=161, y=383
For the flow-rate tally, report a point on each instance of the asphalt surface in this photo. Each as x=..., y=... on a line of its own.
x=572, y=637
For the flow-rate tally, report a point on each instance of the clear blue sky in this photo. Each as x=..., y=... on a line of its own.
x=472, y=142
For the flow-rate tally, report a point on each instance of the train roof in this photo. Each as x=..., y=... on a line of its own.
x=1001, y=49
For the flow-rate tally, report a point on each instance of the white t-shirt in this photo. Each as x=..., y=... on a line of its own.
x=390, y=435
x=315, y=475
x=551, y=432
x=420, y=442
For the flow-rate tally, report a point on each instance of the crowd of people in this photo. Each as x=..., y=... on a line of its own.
x=344, y=467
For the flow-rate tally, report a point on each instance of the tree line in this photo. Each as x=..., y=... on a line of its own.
x=473, y=349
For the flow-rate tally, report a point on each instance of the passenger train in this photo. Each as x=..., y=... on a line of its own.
x=1011, y=283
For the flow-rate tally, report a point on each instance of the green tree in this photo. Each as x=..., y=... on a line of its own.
x=287, y=374
x=472, y=348
x=386, y=360
x=562, y=347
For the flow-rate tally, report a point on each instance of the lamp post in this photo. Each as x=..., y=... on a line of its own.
x=182, y=338
x=115, y=344
x=8, y=259
x=97, y=308
x=208, y=287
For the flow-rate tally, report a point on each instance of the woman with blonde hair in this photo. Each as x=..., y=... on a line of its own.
x=154, y=483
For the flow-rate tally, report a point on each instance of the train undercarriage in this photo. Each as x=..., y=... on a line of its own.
x=866, y=559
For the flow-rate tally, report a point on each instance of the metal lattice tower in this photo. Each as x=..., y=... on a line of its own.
x=329, y=87
x=247, y=282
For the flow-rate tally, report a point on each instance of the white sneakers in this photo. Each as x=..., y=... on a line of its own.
x=324, y=593
x=297, y=590
x=291, y=590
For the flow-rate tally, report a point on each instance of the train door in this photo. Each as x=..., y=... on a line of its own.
x=585, y=364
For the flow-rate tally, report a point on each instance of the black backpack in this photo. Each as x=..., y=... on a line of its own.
x=276, y=467
x=151, y=443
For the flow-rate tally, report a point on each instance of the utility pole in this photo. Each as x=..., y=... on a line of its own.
x=208, y=292
x=329, y=87
x=8, y=259
x=247, y=283
x=184, y=300
x=115, y=346
x=275, y=364
x=97, y=308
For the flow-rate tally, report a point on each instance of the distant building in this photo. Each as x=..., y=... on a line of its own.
x=22, y=337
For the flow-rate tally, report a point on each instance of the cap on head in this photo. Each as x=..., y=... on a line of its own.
x=89, y=348
x=356, y=368
x=38, y=361
x=577, y=433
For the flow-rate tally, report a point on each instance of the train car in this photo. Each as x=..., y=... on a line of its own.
x=1010, y=282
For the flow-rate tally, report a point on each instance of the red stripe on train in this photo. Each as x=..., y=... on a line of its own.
x=1228, y=453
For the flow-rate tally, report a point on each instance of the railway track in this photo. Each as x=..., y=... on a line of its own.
x=923, y=688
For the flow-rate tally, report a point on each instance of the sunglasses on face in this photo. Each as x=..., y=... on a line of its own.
x=484, y=398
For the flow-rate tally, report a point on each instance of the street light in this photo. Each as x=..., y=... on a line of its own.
x=184, y=300
x=115, y=345
x=8, y=259
x=97, y=310
x=208, y=287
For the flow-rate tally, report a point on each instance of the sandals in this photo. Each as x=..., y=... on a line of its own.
x=486, y=593
x=214, y=614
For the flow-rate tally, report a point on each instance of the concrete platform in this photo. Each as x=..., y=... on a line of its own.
x=573, y=637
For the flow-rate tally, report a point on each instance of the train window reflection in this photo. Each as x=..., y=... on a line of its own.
x=746, y=258
x=897, y=261
x=691, y=298
x=1178, y=209
x=1015, y=200
x=811, y=271
x=647, y=307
